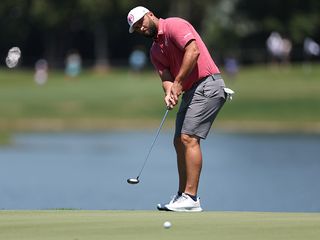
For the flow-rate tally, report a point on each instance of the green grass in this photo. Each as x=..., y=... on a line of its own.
x=95, y=225
x=5, y=138
x=271, y=94
x=116, y=94
x=286, y=96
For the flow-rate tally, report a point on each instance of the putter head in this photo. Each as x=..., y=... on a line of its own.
x=133, y=180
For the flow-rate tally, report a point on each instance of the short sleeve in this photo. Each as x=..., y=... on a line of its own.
x=180, y=33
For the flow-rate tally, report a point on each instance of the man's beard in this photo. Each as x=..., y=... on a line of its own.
x=153, y=31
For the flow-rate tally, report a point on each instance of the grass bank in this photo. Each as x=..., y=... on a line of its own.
x=95, y=225
x=267, y=99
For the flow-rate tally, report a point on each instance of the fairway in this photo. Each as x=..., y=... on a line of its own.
x=78, y=225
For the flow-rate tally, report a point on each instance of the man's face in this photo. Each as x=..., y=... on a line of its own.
x=146, y=27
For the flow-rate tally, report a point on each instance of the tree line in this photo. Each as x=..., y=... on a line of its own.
x=98, y=28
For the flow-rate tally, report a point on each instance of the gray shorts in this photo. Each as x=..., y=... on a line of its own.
x=200, y=106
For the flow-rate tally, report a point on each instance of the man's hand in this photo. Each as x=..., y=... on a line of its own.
x=175, y=92
x=168, y=100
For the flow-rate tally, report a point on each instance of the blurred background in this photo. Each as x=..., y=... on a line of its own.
x=79, y=111
x=98, y=31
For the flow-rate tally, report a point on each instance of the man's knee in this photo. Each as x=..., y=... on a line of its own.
x=189, y=140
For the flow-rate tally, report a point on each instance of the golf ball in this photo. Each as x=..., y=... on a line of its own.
x=167, y=224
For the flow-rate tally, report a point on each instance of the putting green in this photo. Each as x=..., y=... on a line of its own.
x=79, y=225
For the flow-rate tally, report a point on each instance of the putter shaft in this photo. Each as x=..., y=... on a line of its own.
x=154, y=140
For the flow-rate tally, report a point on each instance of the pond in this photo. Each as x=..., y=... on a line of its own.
x=88, y=170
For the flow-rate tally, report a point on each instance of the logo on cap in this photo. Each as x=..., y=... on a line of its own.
x=130, y=18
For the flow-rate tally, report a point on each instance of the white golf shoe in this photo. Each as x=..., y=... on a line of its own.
x=184, y=203
x=162, y=206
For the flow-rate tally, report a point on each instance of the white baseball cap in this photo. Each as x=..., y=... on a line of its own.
x=135, y=15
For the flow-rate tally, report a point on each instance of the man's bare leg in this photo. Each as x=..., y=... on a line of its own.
x=181, y=163
x=189, y=159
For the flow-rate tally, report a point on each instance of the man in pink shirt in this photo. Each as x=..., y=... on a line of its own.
x=184, y=66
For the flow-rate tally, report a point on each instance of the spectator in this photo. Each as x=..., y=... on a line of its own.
x=41, y=72
x=73, y=64
x=137, y=59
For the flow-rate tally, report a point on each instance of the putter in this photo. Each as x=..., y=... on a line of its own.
x=136, y=180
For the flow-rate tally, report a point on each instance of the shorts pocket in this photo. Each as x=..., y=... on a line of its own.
x=212, y=89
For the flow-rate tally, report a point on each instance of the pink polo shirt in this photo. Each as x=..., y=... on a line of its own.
x=167, y=50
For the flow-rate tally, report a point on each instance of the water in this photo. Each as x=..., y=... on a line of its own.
x=241, y=172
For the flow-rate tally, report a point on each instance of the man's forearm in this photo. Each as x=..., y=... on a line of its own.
x=190, y=59
x=166, y=85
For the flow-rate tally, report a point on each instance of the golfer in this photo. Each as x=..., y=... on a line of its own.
x=185, y=67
